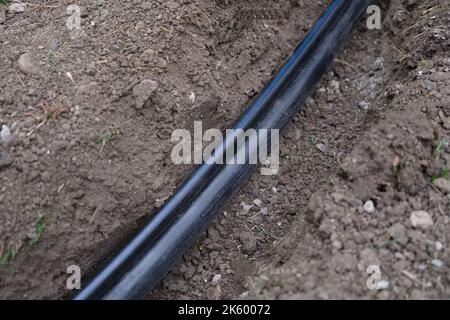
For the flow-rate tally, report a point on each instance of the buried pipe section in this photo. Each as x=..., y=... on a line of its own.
x=204, y=173
x=139, y=266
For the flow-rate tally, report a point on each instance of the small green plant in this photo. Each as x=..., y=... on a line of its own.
x=444, y=174
x=423, y=64
x=2, y=2
x=107, y=136
x=40, y=228
x=441, y=144
x=157, y=71
x=9, y=255
x=313, y=140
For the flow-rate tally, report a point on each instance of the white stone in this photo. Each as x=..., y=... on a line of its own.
x=217, y=278
x=17, y=7
x=382, y=285
x=369, y=207
x=258, y=202
x=264, y=211
x=5, y=134
x=335, y=85
x=364, y=105
x=421, y=220
x=245, y=208
x=437, y=263
x=322, y=147
x=192, y=97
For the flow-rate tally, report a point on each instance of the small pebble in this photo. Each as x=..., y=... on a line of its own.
x=369, y=207
x=421, y=220
x=5, y=134
x=322, y=147
x=382, y=285
x=17, y=7
x=335, y=85
x=422, y=267
x=216, y=279
x=69, y=75
x=364, y=105
x=245, y=208
x=257, y=202
x=28, y=65
x=437, y=263
x=192, y=97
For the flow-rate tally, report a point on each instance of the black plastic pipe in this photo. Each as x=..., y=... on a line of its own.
x=142, y=263
x=204, y=173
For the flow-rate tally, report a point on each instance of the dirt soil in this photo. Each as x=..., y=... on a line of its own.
x=91, y=112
